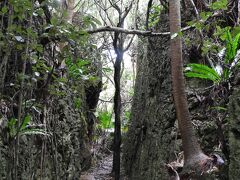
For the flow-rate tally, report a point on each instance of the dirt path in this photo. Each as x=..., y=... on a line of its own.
x=101, y=171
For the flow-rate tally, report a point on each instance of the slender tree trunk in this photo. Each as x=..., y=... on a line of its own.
x=117, y=111
x=192, y=150
x=118, y=42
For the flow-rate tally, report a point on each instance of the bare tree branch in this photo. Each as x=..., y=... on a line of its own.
x=127, y=11
x=129, y=44
x=115, y=6
x=133, y=31
x=105, y=9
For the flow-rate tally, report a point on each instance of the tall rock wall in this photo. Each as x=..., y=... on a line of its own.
x=234, y=130
x=148, y=144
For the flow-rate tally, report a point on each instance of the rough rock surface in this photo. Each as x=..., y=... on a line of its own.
x=63, y=153
x=148, y=144
x=234, y=130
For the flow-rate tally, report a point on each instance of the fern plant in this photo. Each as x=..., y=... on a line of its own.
x=105, y=120
x=23, y=129
x=230, y=60
x=232, y=46
x=202, y=71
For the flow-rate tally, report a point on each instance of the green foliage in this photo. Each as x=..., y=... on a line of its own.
x=12, y=127
x=154, y=15
x=209, y=46
x=219, y=5
x=127, y=115
x=203, y=72
x=77, y=103
x=219, y=108
x=91, y=21
x=232, y=45
x=25, y=122
x=205, y=15
x=77, y=69
x=126, y=120
x=26, y=36
x=23, y=129
x=105, y=118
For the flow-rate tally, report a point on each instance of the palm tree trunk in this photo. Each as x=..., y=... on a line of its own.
x=192, y=150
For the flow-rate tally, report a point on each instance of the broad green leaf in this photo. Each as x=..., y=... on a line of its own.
x=229, y=47
x=82, y=63
x=219, y=108
x=235, y=31
x=26, y=121
x=201, y=76
x=203, y=72
x=205, y=15
x=236, y=44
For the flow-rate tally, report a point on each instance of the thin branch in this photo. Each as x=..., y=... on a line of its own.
x=106, y=101
x=133, y=31
x=115, y=6
x=127, y=11
x=108, y=78
x=129, y=44
x=148, y=13
x=104, y=8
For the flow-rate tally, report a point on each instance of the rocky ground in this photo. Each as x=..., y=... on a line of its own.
x=100, y=171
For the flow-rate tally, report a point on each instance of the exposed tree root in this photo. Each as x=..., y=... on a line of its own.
x=197, y=168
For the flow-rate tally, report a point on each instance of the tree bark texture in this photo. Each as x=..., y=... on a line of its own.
x=148, y=145
x=117, y=112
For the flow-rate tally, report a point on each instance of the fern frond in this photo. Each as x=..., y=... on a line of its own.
x=203, y=72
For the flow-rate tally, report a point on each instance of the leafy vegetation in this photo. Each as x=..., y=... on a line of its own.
x=105, y=119
x=24, y=128
x=203, y=72
x=52, y=72
x=154, y=15
x=230, y=60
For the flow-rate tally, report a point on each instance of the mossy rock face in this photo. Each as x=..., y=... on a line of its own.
x=65, y=152
x=148, y=145
x=234, y=130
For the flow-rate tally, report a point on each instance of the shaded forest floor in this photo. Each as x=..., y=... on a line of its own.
x=101, y=170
